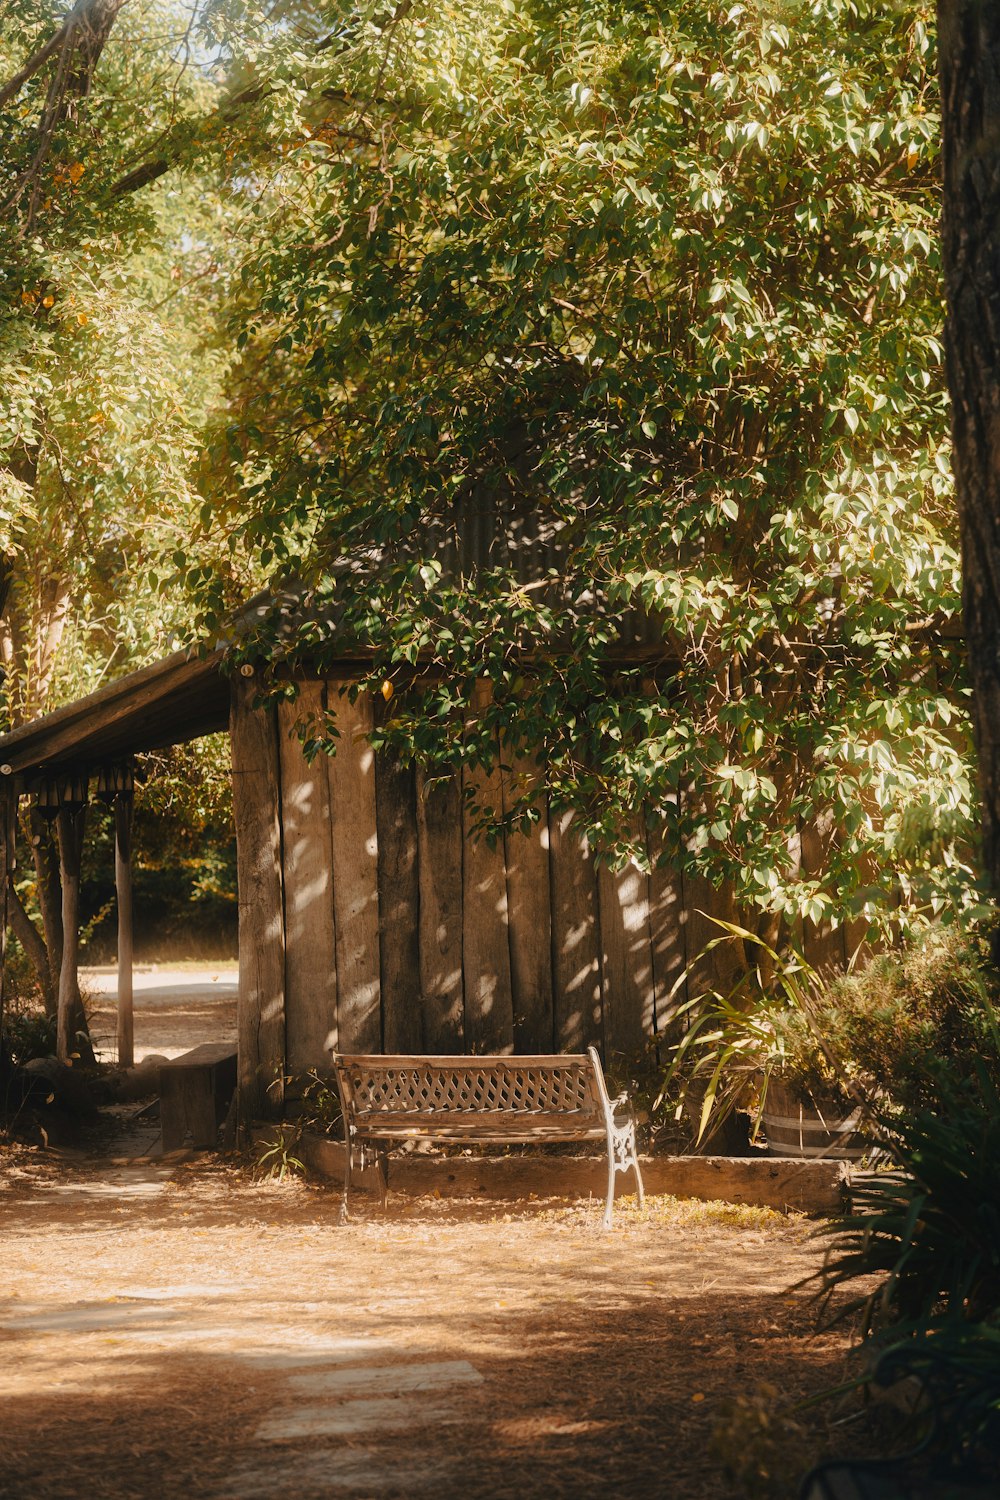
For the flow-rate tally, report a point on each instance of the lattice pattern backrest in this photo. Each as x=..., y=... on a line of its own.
x=474, y=1087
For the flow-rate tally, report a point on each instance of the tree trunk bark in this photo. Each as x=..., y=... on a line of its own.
x=969, y=42
x=33, y=943
x=45, y=855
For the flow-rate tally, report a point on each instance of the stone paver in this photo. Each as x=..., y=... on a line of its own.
x=409, y=1377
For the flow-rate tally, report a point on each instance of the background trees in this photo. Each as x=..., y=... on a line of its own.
x=106, y=373
x=528, y=337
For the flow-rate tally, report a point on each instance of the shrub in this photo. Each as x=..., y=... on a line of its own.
x=930, y=1231
x=896, y=1030
x=27, y=1031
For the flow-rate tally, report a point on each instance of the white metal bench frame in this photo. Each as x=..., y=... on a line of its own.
x=482, y=1100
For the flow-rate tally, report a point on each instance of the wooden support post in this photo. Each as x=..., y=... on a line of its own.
x=8, y=834
x=70, y=824
x=256, y=813
x=123, y=889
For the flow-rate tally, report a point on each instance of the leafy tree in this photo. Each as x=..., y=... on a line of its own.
x=567, y=325
x=105, y=376
x=587, y=352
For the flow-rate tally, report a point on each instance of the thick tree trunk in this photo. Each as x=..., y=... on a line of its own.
x=969, y=40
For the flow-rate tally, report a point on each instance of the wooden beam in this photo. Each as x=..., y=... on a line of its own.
x=61, y=733
x=70, y=823
x=261, y=1011
x=123, y=889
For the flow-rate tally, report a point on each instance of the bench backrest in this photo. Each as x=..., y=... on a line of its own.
x=569, y=1086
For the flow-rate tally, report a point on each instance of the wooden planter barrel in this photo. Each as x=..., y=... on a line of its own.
x=794, y=1128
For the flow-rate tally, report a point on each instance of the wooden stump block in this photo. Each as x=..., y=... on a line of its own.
x=195, y=1091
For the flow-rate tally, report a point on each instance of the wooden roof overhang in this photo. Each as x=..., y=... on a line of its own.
x=174, y=700
x=187, y=695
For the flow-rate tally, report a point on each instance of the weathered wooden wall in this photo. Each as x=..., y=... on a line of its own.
x=400, y=932
x=405, y=933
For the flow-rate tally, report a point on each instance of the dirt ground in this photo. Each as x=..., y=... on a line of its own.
x=176, y=1007
x=181, y=1328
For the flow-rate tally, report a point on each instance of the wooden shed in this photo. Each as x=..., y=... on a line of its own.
x=369, y=916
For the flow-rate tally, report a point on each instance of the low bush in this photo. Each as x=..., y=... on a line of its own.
x=930, y=1230
x=27, y=1031
x=929, y=1235
x=894, y=1033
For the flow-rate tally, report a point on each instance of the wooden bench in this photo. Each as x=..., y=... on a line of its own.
x=482, y=1101
x=195, y=1090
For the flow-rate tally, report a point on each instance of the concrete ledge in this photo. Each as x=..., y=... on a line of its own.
x=811, y=1187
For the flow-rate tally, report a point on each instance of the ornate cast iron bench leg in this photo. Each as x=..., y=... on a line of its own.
x=622, y=1155
x=348, y=1169
x=381, y=1160
x=610, y=1200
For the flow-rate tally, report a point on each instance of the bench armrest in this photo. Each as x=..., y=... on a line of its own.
x=623, y=1111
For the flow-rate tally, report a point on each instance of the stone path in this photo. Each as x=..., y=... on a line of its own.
x=352, y=1387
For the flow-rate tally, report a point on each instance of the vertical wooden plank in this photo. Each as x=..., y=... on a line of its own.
x=398, y=903
x=667, y=931
x=823, y=944
x=576, y=960
x=123, y=893
x=529, y=911
x=354, y=837
x=257, y=815
x=700, y=901
x=489, y=1009
x=628, y=995
x=439, y=868
x=8, y=836
x=310, y=954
